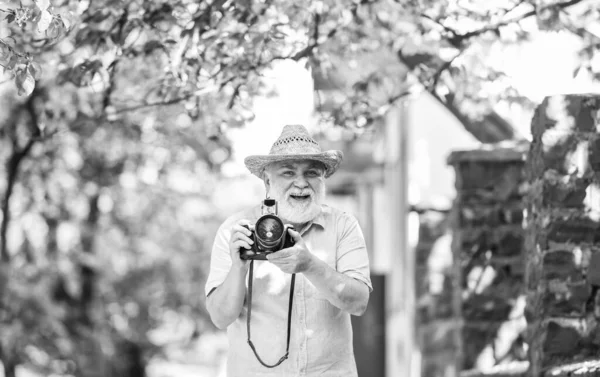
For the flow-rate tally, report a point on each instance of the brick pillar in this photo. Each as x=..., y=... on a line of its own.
x=488, y=253
x=563, y=232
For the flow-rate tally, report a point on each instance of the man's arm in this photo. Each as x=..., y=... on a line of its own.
x=225, y=302
x=341, y=291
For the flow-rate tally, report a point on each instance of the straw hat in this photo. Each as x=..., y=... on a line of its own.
x=295, y=143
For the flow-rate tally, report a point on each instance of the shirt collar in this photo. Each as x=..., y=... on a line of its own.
x=320, y=219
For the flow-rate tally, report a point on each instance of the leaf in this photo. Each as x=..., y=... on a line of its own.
x=35, y=69
x=25, y=82
x=56, y=29
x=42, y=4
x=11, y=16
x=152, y=45
x=12, y=61
x=66, y=18
x=5, y=52
x=44, y=22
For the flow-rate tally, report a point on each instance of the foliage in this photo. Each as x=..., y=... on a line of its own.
x=115, y=133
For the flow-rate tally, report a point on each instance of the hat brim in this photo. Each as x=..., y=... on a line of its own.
x=331, y=159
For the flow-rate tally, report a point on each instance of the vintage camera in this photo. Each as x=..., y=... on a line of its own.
x=270, y=234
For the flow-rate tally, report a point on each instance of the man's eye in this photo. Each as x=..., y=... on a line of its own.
x=312, y=173
x=288, y=173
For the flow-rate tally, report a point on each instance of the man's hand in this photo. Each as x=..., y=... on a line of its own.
x=293, y=259
x=240, y=238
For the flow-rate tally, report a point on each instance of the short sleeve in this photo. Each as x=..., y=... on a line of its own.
x=352, y=256
x=220, y=259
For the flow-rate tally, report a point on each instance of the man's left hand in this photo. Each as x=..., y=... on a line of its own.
x=293, y=259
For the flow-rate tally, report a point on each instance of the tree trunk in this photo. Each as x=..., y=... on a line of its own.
x=10, y=369
x=8, y=362
x=87, y=272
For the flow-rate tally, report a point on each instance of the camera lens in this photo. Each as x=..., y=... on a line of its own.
x=269, y=230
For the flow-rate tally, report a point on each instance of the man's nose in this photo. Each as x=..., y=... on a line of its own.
x=301, y=182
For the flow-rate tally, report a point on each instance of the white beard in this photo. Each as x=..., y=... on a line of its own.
x=297, y=212
x=300, y=213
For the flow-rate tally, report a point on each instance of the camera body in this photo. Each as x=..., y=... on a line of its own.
x=270, y=234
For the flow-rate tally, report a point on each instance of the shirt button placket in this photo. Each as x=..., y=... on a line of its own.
x=303, y=352
x=302, y=357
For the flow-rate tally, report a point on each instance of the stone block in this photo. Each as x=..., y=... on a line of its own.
x=476, y=336
x=495, y=302
x=491, y=215
x=568, y=341
x=563, y=299
x=509, y=244
x=573, y=230
x=593, y=275
x=435, y=307
x=567, y=193
x=439, y=336
x=506, y=241
x=489, y=307
x=489, y=175
x=562, y=265
x=562, y=128
x=594, y=155
x=440, y=364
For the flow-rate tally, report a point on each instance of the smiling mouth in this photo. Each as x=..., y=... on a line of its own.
x=300, y=197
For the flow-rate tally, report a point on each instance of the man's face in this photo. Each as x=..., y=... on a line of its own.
x=299, y=188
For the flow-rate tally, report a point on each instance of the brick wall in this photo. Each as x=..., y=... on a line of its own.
x=488, y=252
x=563, y=233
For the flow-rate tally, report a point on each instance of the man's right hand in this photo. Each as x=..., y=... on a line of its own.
x=240, y=238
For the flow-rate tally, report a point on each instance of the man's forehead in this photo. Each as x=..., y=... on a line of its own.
x=295, y=164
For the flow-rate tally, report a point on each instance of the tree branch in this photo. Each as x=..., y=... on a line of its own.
x=13, y=165
x=172, y=101
x=456, y=39
x=436, y=76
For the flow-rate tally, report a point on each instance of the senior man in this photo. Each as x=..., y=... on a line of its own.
x=302, y=296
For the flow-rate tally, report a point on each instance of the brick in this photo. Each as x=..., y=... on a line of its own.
x=441, y=364
x=488, y=175
x=574, y=230
x=439, y=336
x=486, y=307
x=567, y=194
x=593, y=275
x=561, y=265
x=509, y=244
x=583, y=109
x=567, y=342
x=502, y=241
x=566, y=300
x=500, y=214
x=476, y=336
x=594, y=154
x=496, y=301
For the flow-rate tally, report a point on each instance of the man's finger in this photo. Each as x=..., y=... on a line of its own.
x=281, y=254
x=242, y=229
x=295, y=235
x=242, y=244
x=242, y=237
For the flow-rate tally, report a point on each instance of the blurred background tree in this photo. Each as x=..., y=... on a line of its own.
x=113, y=132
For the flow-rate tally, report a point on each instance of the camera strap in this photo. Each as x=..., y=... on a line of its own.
x=289, y=321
